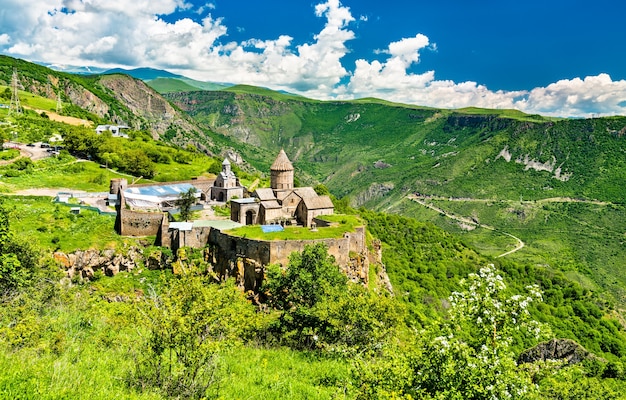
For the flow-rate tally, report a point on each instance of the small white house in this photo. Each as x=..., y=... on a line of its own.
x=116, y=130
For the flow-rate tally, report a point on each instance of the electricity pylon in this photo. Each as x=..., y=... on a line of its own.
x=15, y=107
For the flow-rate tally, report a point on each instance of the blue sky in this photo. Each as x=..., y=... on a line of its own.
x=562, y=58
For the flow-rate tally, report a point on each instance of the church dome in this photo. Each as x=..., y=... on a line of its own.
x=282, y=163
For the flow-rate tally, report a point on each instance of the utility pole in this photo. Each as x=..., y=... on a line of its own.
x=15, y=107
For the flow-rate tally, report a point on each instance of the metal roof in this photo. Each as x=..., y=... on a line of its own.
x=165, y=190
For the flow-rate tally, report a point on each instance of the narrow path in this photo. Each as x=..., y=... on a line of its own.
x=520, y=244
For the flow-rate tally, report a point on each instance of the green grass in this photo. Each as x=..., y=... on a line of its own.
x=280, y=373
x=66, y=172
x=60, y=172
x=339, y=225
x=28, y=99
x=174, y=171
x=255, y=90
x=8, y=154
x=73, y=342
x=51, y=226
x=506, y=113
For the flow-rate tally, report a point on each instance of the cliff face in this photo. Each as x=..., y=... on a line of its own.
x=148, y=109
x=116, y=98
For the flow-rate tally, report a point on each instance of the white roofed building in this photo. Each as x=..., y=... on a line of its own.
x=116, y=130
x=156, y=197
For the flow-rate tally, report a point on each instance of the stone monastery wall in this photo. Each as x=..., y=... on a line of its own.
x=138, y=223
x=245, y=258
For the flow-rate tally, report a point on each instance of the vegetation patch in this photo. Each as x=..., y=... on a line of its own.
x=52, y=227
x=340, y=224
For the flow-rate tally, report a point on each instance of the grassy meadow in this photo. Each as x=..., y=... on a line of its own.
x=50, y=226
x=339, y=225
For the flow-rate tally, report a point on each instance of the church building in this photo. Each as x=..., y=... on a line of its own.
x=226, y=186
x=281, y=203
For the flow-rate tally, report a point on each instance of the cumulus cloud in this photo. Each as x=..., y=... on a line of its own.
x=593, y=95
x=119, y=33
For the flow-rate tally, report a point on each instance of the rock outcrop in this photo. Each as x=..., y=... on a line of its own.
x=374, y=191
x=558, y=350
x=84, y=264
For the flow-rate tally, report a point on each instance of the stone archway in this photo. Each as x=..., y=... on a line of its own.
x=250, y=217
x=220, y=197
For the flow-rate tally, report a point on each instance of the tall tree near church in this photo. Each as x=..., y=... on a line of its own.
x=187, y=199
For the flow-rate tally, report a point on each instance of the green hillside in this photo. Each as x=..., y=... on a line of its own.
x=165, y=85
x=376, y=153
x=350, y=145
x=500, y=231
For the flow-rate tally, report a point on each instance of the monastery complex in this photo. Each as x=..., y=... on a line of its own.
x=143, y=210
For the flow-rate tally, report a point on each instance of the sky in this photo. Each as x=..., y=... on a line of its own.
x=549, y=57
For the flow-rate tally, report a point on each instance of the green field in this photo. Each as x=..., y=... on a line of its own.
x=50, y=226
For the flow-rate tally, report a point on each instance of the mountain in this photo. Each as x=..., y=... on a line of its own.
x=110, y=98
x=549, y=185
x=142, y=73
x=352, y=145
x=163, y=81
x=541, y=199
x=166, y=85
x=511, y=179
x=73, y=69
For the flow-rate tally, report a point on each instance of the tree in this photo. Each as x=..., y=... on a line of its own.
x=467, y=357
x=17, y=259
x=321, y=309
x=189, y=324
x=137, y=163
x=187, y=199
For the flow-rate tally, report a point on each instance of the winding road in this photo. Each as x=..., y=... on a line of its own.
x=465, y=220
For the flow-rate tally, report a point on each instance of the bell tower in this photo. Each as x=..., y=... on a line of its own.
x=281, y=172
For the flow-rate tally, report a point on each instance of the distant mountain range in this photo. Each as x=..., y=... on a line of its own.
x=164, y=81
x=145, y=74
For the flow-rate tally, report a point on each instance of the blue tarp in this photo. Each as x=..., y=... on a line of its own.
x=271, y=228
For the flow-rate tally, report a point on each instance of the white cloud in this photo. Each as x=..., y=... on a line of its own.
x=593, y=95
x=111, y=33
x=407, y=50
x=207, y=6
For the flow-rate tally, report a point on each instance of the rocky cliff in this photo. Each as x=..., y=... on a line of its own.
x=87, y=264
x=116, y=98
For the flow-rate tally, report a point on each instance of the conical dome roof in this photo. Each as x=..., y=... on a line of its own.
x=282, y=163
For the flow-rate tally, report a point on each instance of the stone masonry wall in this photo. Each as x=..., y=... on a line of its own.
x=198, y=237
x=245, y=258
x=137, y=223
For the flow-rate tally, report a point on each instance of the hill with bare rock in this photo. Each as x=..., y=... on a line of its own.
x=116, y=98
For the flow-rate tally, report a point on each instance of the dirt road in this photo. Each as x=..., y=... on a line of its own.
x=470, y=221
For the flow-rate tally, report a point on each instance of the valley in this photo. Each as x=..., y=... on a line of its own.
x=470, y=210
